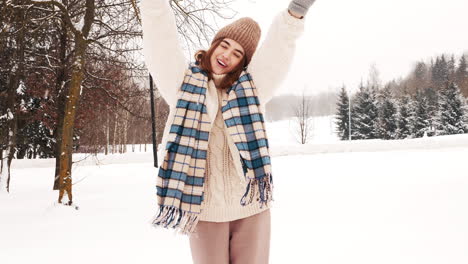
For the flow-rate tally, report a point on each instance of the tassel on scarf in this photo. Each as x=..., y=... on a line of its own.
x=171, y=217
x=264, y=186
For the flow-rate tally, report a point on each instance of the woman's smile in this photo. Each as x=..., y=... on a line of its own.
x=226, y=56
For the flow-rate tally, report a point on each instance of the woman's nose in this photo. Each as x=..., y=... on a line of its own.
x=225, y=55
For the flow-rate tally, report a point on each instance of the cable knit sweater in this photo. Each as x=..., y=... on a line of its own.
x=224, y=182
x=224, y=185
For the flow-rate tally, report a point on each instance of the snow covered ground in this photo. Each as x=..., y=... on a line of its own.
x=335, y=202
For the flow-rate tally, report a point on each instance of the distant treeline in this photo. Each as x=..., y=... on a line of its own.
x=283, y=106
x=430, y=101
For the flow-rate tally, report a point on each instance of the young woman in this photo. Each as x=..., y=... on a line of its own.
x=214, y=181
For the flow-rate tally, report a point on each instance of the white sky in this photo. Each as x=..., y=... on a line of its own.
x=343, y=38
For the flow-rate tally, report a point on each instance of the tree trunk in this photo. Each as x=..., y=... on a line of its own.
x=16, y=76
x=58, y=133
x=5, y=175
x=114, y=138
x=1, y=159
x=125, y=132
x=120, y=141
x=107, y=132
x=71, y=104
x=62, y=90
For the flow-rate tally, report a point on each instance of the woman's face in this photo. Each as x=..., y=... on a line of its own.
x=226, y=56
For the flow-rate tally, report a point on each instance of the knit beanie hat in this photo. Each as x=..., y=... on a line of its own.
x=245, y=31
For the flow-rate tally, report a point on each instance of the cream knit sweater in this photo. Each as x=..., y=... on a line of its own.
x=224, y=185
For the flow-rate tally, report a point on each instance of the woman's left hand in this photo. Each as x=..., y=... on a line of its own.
x=299, y=8
x=294, y=14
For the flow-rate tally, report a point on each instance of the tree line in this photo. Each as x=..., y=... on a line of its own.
x=430, y=101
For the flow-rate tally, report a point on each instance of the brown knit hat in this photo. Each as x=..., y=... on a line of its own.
x=245, y=31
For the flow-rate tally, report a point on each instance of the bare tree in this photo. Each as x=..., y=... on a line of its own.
x=197, y=20
x=302, y=119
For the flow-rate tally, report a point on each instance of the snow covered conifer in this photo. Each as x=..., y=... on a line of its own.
x=387, y=118
x=342, y=114
x=373, y=111
x=420, y=117
x=403, y=117
x=363, y=114
x=452, y=111
x=432, y=102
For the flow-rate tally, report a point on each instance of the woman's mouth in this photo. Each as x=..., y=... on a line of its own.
x=221, y=63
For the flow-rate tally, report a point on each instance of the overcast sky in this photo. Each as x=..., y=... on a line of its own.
x=344, y=37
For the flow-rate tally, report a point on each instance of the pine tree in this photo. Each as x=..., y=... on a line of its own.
x=420, y=71
x=452, y=114
x=420, y=77
x=432, y=104
x=461, y=75
x=451, y=69
x=363, y=114
x=404, y=117
x=342, y=114
x=440, y=72
x=387, y=118
x=420, y=117
x=373, y=112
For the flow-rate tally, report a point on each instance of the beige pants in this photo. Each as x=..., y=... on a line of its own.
x=242, y=241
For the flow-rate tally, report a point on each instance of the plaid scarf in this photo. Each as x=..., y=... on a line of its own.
x=181, y=175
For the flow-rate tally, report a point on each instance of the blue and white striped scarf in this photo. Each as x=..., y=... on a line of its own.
x=182, y=173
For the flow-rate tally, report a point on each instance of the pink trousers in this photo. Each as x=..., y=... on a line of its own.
x=242, y=241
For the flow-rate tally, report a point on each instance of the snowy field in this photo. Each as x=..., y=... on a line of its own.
x=335, y=202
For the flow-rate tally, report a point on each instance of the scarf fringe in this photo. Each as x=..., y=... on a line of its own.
x=263, y=186
x=182, y=222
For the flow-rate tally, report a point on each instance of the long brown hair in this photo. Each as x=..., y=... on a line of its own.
x=203, y=58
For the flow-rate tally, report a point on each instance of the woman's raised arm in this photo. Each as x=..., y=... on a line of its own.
x=271, y=62
x=161, y=47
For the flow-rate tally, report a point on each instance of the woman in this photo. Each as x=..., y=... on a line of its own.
x=214, y=182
